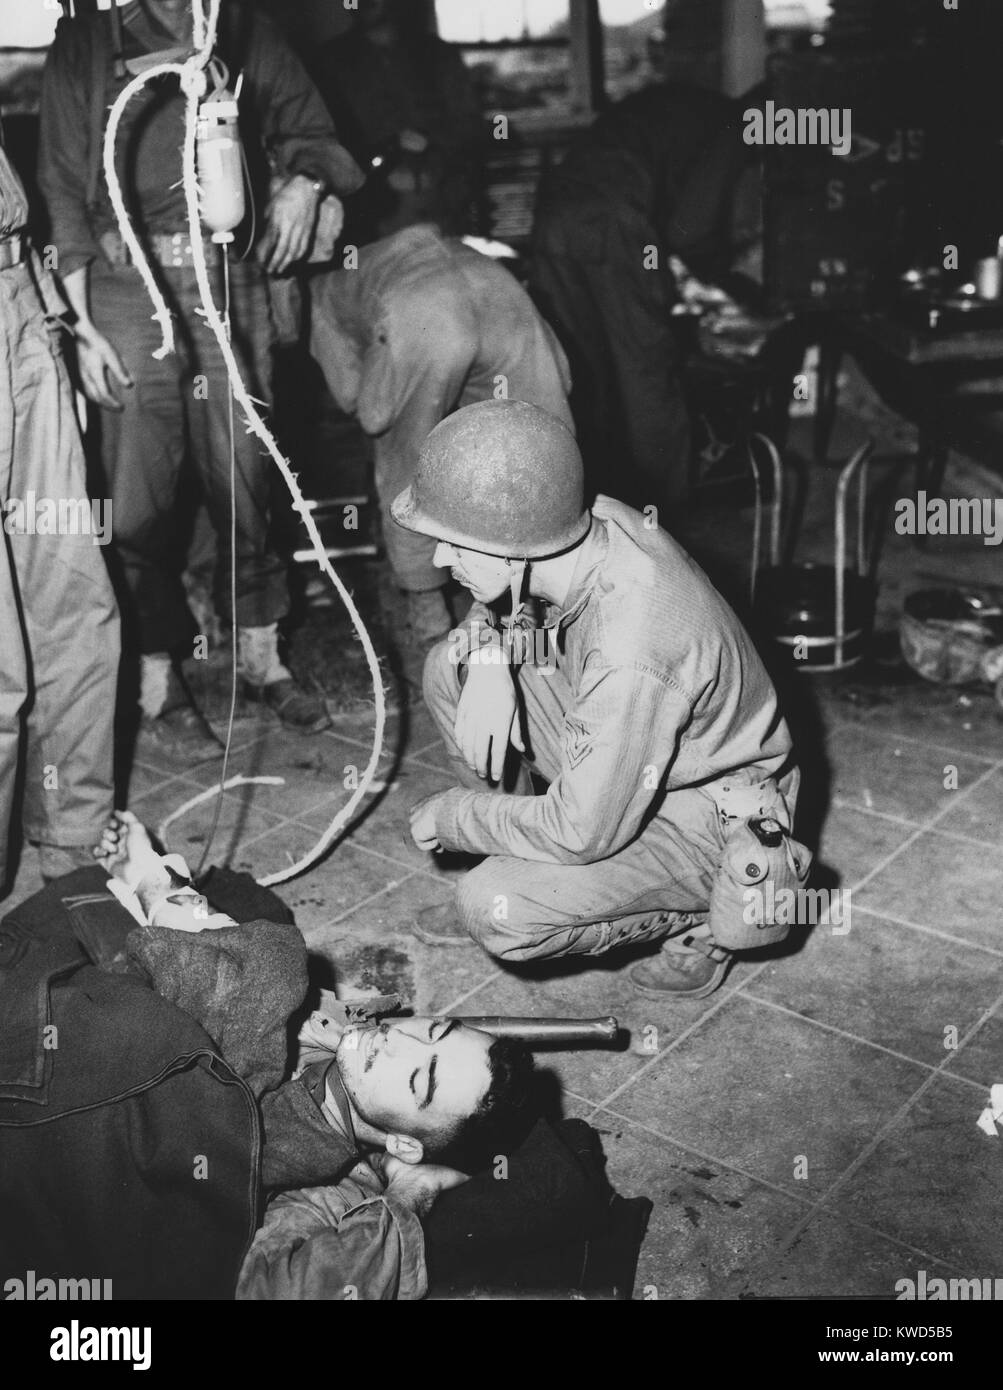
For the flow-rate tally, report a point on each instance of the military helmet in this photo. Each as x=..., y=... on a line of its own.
x=502, y=477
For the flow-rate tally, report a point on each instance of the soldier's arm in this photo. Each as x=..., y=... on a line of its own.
x=64, y=153
x=298, y=130
x=620, y=739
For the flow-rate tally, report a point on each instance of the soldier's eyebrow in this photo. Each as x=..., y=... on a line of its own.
x=431, y=1083
x=411, y=1082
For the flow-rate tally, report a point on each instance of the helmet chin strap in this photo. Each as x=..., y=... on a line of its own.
x=518, y=568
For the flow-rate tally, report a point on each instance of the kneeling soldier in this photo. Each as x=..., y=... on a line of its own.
x=671, y=786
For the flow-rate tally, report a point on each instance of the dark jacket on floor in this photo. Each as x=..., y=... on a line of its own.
x=129, y=1149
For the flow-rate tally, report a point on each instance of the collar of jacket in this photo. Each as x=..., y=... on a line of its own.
x=584, y=578
x=335, y=1088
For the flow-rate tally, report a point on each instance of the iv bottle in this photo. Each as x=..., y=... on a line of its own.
x=220, y=168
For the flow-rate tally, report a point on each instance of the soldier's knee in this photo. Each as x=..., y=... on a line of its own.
x=473, y=898
x=493, y=916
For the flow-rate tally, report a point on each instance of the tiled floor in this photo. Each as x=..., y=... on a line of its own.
x=811, y=1128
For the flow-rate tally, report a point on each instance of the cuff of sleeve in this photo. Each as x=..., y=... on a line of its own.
x=469, y=637
x=447, y=819
x=53, y=300
x=413, y=1282
x=75, y=260
x=337, y=170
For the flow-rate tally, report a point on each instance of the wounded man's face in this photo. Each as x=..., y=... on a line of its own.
x=415, y=1076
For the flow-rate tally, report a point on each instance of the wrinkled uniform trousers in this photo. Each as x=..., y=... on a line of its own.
x=59, y=633
x=178, y=408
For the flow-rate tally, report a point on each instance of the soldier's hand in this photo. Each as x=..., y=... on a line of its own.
x=100, y=367
x=417, y=1185
x=487, y=718
x=290, y=220
x=422, y=823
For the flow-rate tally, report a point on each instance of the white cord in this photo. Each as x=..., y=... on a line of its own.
x=192, y=78
x=162, y=314
x=225, y=252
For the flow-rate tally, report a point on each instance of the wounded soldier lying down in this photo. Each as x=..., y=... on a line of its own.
x=378, y=1119
x=374, y=1107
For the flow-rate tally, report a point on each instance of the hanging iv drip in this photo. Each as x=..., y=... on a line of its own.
x=220, y=161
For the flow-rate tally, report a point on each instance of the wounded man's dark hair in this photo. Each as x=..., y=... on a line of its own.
x=503, y=1117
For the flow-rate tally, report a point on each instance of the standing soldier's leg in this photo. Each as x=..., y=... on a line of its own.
x=13, y=674
x=13, y=666
x=142, y=450
x=70, y=613
x=427, y=383
x=261, y=590
x=410, y=554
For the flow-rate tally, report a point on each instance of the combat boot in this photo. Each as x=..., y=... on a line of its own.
x=268, y=682
x=170, y=718
x=440, y=925
x=690, y=966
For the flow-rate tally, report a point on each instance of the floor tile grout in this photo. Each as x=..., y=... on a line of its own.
x=813, y=1204
x=922, y=829
x=598, y=1111
x=210, y=792
x=237, y=749
x=851, y=1037
x=928, y=931
x=396, y=755
x=468, y=994
x=185, y=777
x=872, y=1145
x=403, y=863
x=269, y=830
x=911, y=738
x=132, y=800
x=419, y=754
x=645, y=1067
x=842, y=804
x=370, y=897
x=377, y=853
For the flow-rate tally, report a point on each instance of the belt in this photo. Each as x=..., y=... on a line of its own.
x=743, y=794
x=171, y=249
x=12, y=251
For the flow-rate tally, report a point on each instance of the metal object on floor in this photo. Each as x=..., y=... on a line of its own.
x=954, y=637
x=565, y=1032
x=820, y=614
